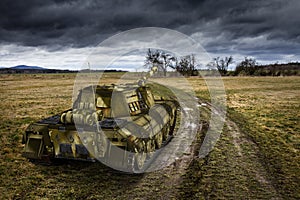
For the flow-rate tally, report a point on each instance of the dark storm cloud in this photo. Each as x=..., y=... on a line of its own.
x=74, y=23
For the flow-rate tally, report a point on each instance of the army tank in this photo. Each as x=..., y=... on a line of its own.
x=119, y=125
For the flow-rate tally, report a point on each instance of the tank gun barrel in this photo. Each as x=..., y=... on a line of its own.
x=143, y=80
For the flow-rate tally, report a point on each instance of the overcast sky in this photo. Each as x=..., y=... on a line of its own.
x=61, y=34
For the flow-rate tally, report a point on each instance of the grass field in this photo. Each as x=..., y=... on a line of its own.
x=257, y=155
x=260, y=158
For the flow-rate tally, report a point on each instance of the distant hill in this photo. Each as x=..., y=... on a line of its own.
x=24, y=69
x=27, y=67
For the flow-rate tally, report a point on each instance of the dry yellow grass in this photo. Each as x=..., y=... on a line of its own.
x=266, y=110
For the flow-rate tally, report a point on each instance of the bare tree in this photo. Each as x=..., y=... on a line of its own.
x=222, y=64
x=247, y=67
x=186, y=65
x=168, y=62
x=162, y=59
x=152, y=57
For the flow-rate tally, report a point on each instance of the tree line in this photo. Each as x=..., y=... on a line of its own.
x=249, y=67
x=186, y=65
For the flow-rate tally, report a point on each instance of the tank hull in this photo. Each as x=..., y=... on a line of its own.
x=117, y=137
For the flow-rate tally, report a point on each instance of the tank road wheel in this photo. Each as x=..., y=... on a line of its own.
x=158, y=140
x=166, y=131
x=173, y=123
x=139, y=160
x=150, y=147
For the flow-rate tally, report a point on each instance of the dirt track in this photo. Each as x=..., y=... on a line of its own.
x=247, y=160
x=243, y=156
x=240, y=165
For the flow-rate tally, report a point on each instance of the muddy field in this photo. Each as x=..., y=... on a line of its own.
x=257, y=155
